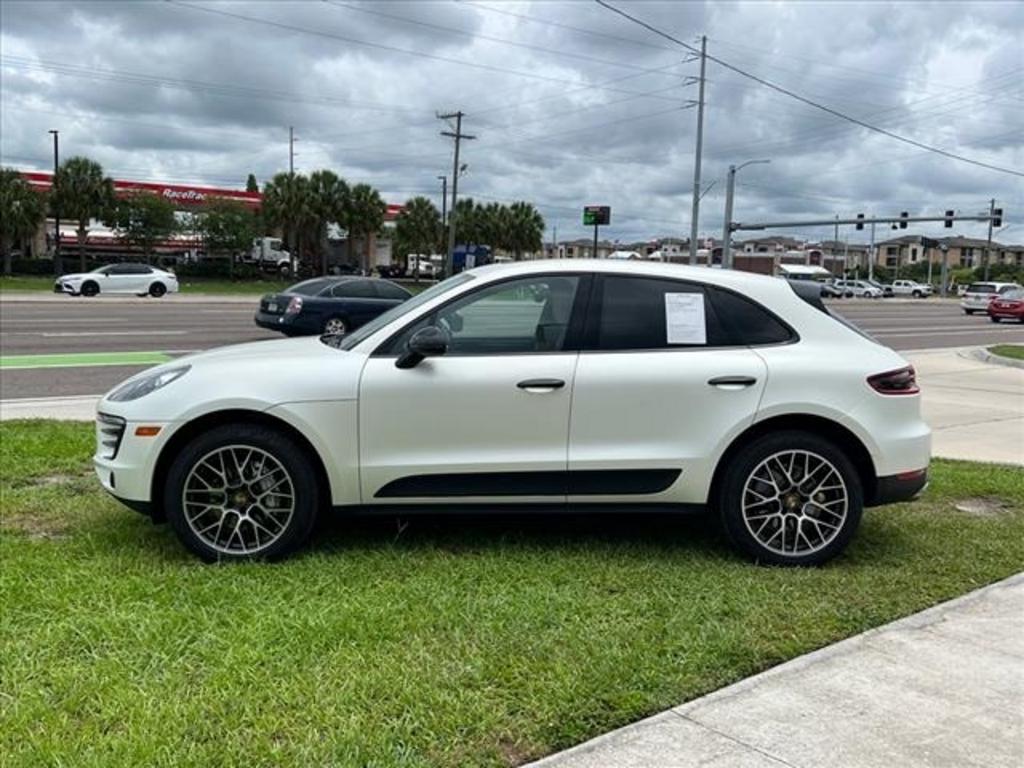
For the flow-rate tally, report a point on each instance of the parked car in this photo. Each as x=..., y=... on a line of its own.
x=885, y=288
x=978, y=296
x=332, y=305
x=138, y=279
x=861, y=288
x=1008, y=305
x=830, y=289
x=911, y=288
x=614, y=385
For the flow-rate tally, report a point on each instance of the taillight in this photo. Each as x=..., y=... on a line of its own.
x=899, y=382
x=294, y=306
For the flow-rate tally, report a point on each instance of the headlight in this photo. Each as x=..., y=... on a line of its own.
x=143, y=386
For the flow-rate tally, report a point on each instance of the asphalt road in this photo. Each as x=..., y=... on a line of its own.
x=56, y=324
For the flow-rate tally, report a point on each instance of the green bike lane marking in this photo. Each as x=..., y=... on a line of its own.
x=81, y=360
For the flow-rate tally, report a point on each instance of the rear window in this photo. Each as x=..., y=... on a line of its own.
x=747, y=322
x=981, y=288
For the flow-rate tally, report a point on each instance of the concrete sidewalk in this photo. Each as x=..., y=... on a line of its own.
x=944, y=687
x=65, y=408
x=975, y=409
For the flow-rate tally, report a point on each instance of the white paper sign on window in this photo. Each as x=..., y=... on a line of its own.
x=684, y=318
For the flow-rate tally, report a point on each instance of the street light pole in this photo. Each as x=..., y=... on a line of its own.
x=58, y=268
x=730, y=191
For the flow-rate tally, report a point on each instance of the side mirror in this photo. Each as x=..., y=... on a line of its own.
x=426, y=342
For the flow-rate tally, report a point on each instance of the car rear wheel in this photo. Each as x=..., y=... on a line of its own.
x=241, y=492
x=334, y=326
x=968, y=311
x=993, y=319
x=89, y=288
x=156, y=290
x=790, y=498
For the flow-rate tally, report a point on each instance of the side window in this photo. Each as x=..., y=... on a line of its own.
x=527, y=315
x=137, y=269
x=747, y=322
x=386, y=290
x=119, y=269
x=354, y=289
x=651, y=313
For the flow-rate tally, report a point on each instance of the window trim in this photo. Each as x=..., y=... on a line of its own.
x=573, y=335
x=594, y=309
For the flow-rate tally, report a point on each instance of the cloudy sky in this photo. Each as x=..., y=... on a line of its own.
x=570, y=103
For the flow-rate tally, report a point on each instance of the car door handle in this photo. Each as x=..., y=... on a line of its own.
x=732, y=381
x=541, y=385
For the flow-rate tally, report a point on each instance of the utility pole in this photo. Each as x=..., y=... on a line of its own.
x=554, y=240
x=695, y=213
x=291, y=150
x=988, y=244
x=730, y=188
x=58, y=267
x=458, y=135
x=730, y=193
x=945, y=269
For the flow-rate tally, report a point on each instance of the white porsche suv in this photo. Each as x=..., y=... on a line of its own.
x=594, y=384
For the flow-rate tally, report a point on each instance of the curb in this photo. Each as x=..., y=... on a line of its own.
x=982, y=354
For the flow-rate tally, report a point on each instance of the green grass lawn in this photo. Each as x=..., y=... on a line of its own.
x=430, y=642
x=1015, y=351
x=191, y=285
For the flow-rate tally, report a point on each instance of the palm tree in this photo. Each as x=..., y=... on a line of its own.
x=328, y=198
x=364, y=215
x=467, y=220
x=526, y=229
x=287, y=203
x=82, y=193
x=492, y=222
x=21, y=211
x=417, y=229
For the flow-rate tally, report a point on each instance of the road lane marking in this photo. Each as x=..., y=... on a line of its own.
x=81, y=360
x=66, y=334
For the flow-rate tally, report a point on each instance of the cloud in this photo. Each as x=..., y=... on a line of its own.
x=570, y=104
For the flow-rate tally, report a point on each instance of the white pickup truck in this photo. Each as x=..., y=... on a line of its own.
x=911, y=288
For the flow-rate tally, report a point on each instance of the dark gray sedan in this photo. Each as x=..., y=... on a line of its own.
x=331, y=305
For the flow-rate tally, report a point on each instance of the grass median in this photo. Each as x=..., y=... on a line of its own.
x=1012, y=351
x=422, y=642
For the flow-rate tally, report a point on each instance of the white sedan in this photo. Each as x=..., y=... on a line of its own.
x=603, y=385
x=138, y=279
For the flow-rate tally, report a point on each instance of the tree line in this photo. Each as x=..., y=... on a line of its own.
x=302, y=207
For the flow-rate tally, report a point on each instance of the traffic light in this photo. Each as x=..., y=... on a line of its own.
x=903, y=215
x=997, y=220
x=948, y=224
x=860, y=224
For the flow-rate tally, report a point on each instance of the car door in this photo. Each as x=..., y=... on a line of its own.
x=119, y=279
x=661, y=384
x=360, y=301
x=489, y=419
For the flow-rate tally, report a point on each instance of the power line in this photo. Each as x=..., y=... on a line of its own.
x=499, y=40
x=382, y=46
x=816, y=105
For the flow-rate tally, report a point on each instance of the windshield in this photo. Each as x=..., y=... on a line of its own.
x=351, y=340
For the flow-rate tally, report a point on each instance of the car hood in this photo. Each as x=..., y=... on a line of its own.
x=76, y=276
x=255, y=376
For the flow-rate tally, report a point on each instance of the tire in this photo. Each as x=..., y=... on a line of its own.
x=968, y=311
x=755, y=530
x=334, y=326
x=89, y=288
x=284, y=270
x=156, y=290
x=916, y=294
x=258, y=450
x=993, y=319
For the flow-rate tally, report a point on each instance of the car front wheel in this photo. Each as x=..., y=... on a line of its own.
x=156, y=290
x=89, y=288
x=334, y=326
x=791, y=498
x=241, y=492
